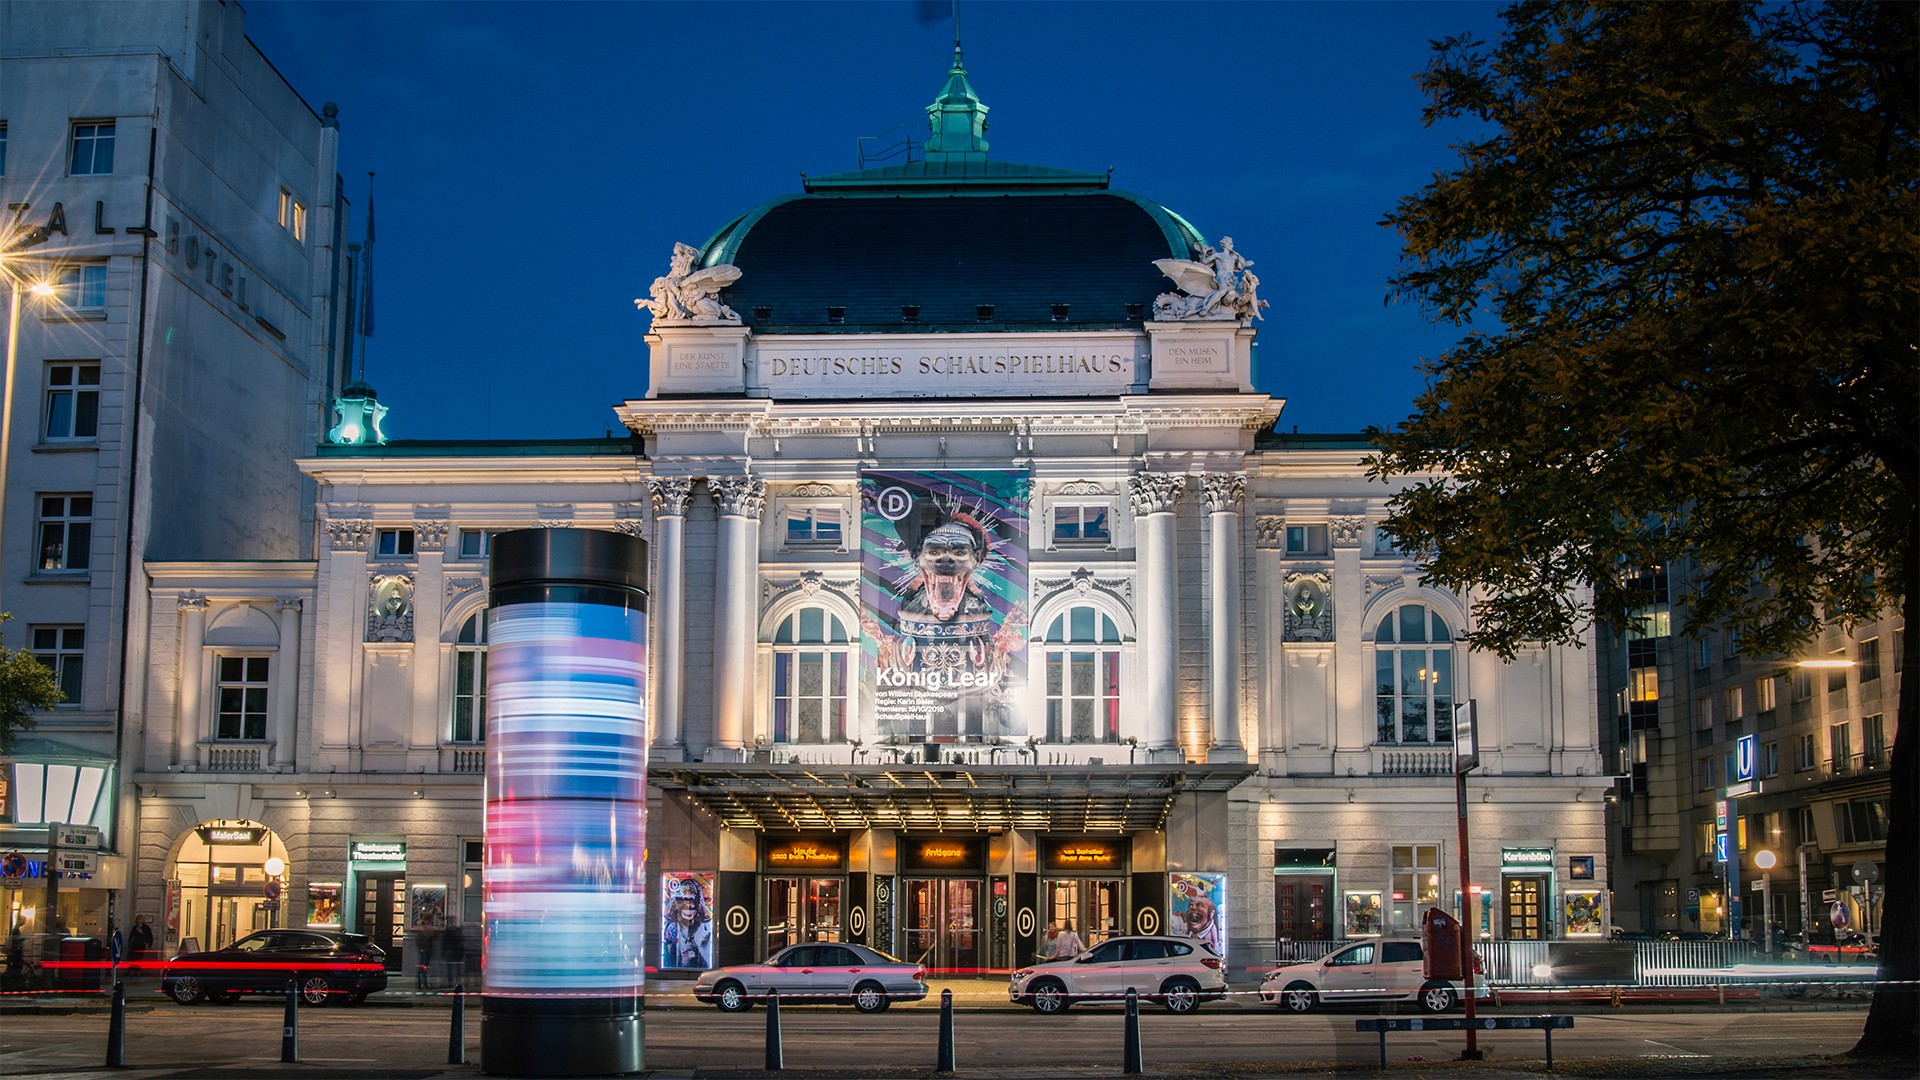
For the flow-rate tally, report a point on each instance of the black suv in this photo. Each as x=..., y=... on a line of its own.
x=324, y=965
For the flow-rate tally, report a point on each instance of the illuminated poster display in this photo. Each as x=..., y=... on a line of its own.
x=1200, y=908
x=1583, y=913
x=686, y=921
x=943, y=590
x=566, y=798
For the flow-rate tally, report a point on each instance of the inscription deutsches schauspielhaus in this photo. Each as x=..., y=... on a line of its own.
x=1014, y=369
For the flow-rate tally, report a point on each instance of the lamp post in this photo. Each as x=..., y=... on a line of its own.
x=22, y=238
x=1765, y=860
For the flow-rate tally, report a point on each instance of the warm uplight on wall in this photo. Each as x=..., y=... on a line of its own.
x=1824, y=664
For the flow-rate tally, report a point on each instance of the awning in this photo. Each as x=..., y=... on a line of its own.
x=943, y=798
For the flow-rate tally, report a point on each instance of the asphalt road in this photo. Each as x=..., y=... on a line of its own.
x=217, y=1043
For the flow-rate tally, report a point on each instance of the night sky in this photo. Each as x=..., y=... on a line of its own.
x=537, y=161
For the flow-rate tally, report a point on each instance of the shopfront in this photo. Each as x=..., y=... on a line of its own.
x=376, y=891
x=943, y=901
x=1083, y=884
x=47, y=786
x=226, y=880
x=1527, y=890
x=1303, y=894
x=803, y=890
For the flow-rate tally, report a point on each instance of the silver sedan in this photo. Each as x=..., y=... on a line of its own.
x=816, y=974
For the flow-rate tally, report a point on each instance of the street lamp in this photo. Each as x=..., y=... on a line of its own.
x=22, y=238
x=1765, y=860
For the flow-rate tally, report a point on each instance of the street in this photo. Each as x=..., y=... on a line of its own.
x=166, y=1040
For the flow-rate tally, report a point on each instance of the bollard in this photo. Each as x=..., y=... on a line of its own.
x=1613, y=996
x=457, y=1035
x=117, y=1028
x=775, y=1059
x=944, y=1056
x=290, y=1027
x=1132, y=1063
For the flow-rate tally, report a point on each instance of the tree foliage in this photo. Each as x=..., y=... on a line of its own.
x=1684, y=241
x=26, y=686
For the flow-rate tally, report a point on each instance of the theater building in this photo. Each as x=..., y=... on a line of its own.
x=983, y=593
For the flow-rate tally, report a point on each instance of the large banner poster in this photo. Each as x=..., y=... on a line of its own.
x=943, y=590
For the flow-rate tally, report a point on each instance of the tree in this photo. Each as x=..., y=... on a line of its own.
x=1683, y=239
x=26, y=686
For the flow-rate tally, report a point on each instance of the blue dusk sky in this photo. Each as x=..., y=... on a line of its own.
x=537, y=161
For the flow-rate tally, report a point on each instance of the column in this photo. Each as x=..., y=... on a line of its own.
x=286, y=703
x=671, y=494
x=1153, y=496
x=1223, y=493
x=739, y=500
x=193, y=661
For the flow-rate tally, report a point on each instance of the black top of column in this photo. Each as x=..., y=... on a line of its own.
x=573, y=556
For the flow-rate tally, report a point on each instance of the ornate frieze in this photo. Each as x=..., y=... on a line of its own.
x=1309, y=611
x=349, y=534
x=1081, y=487
x=1382, y=584
x=671, y=495
x=815, y=490
x=809, y=583
x=460, y=586
x=429, y=536
x=1084, y=582
x=1154, y=493
x=1270, y=531
x=390, y=607
x=739, y=496
x=1347, y=532
x=1223, y=492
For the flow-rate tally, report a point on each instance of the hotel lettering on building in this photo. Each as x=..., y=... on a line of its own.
x=985, y=593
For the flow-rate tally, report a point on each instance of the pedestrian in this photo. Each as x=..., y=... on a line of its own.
x=423, y=941
x=140, y=941
x=1062, y=943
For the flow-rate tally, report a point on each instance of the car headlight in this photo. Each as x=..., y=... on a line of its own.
x=1021, y=974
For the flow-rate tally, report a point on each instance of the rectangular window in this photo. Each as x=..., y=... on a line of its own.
x=470, y=695
x=1703, y=712
x=1837, y=678
x=1766, y=695
x=475, y=543
x=92, y=148
x=63, y=650
x=1770, y=759
x=1704, y=659
x=1869, y=660
x=1306, y=539
x=1803, y=685
x=1874, y=740
x=1840, y=747
x=1862, y=821
x=73, y=400
x=393, y=544
x=66, y=533
x=82, y=288
x=473, y=859
x=1805, y=758
x=1081, y=525
x=242, y=697
x=285, y=213
x=1416, y=884
x=1706, y=772
x=299, y=220
x=814, y=526
x=1803, y=827
x=1736, y=703
x=1383, y=542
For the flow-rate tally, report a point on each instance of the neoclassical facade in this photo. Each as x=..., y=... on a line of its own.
x=983, y=594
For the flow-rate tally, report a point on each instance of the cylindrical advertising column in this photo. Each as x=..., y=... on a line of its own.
x=565, y=872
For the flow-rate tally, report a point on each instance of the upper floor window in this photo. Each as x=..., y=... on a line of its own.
x=1770, y=759
x=1861, y=821
x=1869, y=660
x=1873, y=746
x=242, y=697
x=1736, y=703
x=1705, y=658
x=470, y=681
x=1413, y=677
x=1837, y=676
x=1766, y=695
x=83, y=287
x=73, y=400
x=475, y=543
x=1383, y=542
x=92, y=148
x=1082, y=658
x=1082, y=524
x=814, y=526
x=1805, y=756
x=812, y=652
x=393, y=544
x=293, y=215
x=1840, y=746
x=66, y=532
x=1307, y=540
x=63, y=650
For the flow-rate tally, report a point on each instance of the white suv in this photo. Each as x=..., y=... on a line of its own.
x=1389, y=969
x=1177, y=972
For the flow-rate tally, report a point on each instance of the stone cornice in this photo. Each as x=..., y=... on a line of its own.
x=767, y=417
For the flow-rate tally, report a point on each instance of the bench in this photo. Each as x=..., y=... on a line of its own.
x=1384, y=1024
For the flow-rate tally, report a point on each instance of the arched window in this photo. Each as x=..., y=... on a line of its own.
x=470, y=680
x=1082, y=656
x=811, y=655
x=1413, y=677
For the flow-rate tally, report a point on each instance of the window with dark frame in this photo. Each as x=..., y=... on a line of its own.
x=92, y=148
x=1413, y=677
x=73, y=400
x=83, y=287
x=66, y=533
x=814, y=526
x=1082, y=523
x=242, y=697
x=393, y=544
x=63, y=650
x=470, y=681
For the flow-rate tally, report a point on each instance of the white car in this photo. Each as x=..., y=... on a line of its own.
x=816, y=974
x=1388, y=969
x=1177, y=972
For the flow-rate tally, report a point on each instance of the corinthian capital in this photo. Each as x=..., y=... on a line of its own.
x=740, y=496
x=1223, y=491
x=671, y=494
x=1154, y=493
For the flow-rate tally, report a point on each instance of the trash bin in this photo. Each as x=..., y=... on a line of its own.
x=82, y=964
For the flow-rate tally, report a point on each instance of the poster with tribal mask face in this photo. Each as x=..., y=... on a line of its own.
x=943, y=593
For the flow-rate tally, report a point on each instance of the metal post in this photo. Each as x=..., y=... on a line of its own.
x=1131, y=1062
x=1472, y=1052
x=457, y=1034
x=117, y=1028
x=1766, y=914
x=1806, y=893
x=290, y=1027
x=1549, y=1046
x=51, y=951
x=943, y=1058
x=776, y=1060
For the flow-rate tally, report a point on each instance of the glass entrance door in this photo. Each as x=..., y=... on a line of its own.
x=1090, y=906
x=1525, y=907
x=801, y=909
x=381, y=913
x=943, y=923
x=1303, y=906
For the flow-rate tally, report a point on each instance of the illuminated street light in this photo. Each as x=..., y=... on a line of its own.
x=1765, y=860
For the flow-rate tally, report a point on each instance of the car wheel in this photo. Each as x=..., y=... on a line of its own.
x=1180, y=996
x=1436, y=997
x=186, y=990
x=732, y=997
x=1049, y=996
x=870, y=997
x=1299, y=998
x=315, y=990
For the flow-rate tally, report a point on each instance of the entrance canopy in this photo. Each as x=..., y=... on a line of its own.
x=943, y=798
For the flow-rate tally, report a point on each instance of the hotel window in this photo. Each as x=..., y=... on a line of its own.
x=92, y=148
x=1873, y=744
x=1803, y=685
x=475, y=543
x=63, y=650
x=1766, y=694
x=1805, y=758
x=1082, y=658
x=1705, y=658
x=1413, y=677
x=1736, y=703
x=470, y=681
x=1416, y=884
x=1840, y=746
x=1803, y=827
x=393, y=544
x=293, y=215
x=1082, y=524
x=242, y=697
x=811, y=654
x=814, y=526
x=66, y=533
x=1869, y=660
x=73, y=400
x=82, y=288
x=1306, y=539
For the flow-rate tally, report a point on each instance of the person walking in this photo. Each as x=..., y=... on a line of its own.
x=1062, y=943
x=140, y=941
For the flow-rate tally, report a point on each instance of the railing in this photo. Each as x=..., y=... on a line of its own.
x=1409, y=761
x=1530, y=963
x=235, y=758
x=1687, y=963
x=469, y=759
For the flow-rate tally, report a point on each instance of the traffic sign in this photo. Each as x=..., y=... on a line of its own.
x=77, y=862
x=1719, y=847
x=1867, y=871
x=13, y=865
x=1693, y=896
x=1838, y=915
x=79, y=836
